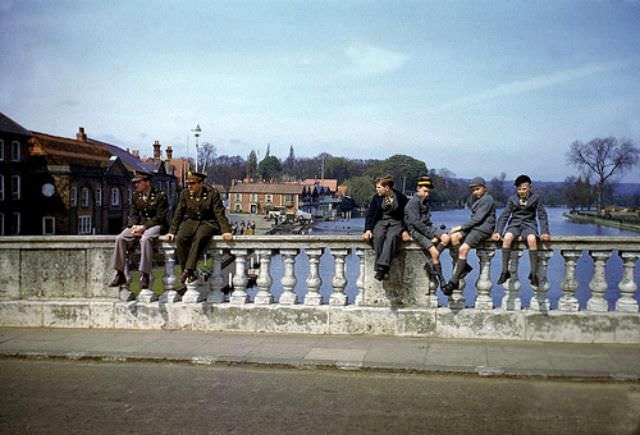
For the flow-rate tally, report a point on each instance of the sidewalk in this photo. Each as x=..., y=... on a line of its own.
x=414, y=355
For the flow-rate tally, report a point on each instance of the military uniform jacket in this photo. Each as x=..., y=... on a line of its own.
x=150, y=209
x=375, y=212
x=516, y=214
x=204, y=207
x=483, y=215
x=417, y=217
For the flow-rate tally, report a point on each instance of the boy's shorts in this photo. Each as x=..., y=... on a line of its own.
x=523, y=231
x=474, y=237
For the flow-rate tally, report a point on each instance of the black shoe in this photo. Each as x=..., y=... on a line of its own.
x=119, y=279
x=187, y=275
x=466, y=271
x=428, y=267
x=191, y=278
x=533, y=279
x=448, y=288
x=504, y=276
x=144, y=280
x=380, y=274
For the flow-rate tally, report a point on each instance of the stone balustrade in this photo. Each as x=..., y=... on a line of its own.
x=62, y=281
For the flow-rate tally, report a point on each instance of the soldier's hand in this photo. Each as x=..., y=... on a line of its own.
x=495, y=236
x=545, y=237
x=367, y=235
x=227, y=237
x=406, y=237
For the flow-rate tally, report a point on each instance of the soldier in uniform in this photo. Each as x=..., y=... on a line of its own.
x=417, y=217
x=519, y=216
x=199, y=216
x=384, y=224
x=479, y=228
x=149, y=218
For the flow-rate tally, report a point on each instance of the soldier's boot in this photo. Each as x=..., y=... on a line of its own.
x=505, y=274
x=187, y=276
x=533, y=261
x=119, y=279
x=144, y=280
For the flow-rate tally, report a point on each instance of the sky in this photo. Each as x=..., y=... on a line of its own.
x=477, y=87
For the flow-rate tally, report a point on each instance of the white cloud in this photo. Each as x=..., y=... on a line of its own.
x=367, y=59
x=532, y=84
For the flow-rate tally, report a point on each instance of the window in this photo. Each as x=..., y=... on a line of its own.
x=73, y=196
x=238, y=196
x=48, y=225
x=84, y=197
x=254, y=197
x=15, y=151
x=15, y=224
x=1, y=187
x=1, y=150
x=1, y=224
x=115, y=197
x=15, y=187
x=238, y=207
x=269, y=198
x=84, y=225
x=99, y=197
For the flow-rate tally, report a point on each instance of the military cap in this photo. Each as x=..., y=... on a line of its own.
x=425, y=181
x=522, y=179
x=140, y=176
x=477, y=181
x=195, y=176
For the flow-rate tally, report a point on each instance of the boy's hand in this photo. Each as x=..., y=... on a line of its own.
x=455, y=229
x=495, y=236
x=545, y=238
x=406, y=237
x=367, y=235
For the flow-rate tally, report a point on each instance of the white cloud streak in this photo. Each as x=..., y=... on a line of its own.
x=370, y=60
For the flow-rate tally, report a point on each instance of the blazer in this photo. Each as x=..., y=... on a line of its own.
x=374, y=213
x=515, y=214
x=483, y=215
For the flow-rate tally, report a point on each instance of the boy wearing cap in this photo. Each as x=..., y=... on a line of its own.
x=479, y=228
x=384, y=224
x=519, y=216
x=199, y=216
x=417, y=217
x=148, y=219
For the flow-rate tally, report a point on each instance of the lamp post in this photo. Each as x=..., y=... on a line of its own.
x=196, y=132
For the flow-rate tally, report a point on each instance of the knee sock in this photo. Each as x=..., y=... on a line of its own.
x=506, y=256
x=458, y=270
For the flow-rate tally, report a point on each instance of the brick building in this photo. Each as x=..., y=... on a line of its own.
x=259, y=197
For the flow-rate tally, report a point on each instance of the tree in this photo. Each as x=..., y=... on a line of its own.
x=290, y=163
x=496, y=188
x=361, y=189
x=605, y=158
x=206, y=156
x=252, y=165
x=270, y=168
x=404, y=169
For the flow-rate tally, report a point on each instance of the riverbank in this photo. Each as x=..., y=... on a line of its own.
x=590, y=217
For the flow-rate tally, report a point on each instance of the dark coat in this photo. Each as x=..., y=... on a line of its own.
x=515, y=214
x=417, y=217
x=483, y=215
x=206, y=207
x=374, y=213
x=150, y=209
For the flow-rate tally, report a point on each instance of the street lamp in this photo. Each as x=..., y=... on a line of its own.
x=196, y=132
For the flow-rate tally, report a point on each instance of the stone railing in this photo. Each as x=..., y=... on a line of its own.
x=62, y=281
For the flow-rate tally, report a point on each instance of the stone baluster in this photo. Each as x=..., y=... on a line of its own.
x=194, y=294
x=361, y=272
x=170, y=294
x=540, y=301
x=289, y=280
x=216, y=281
x=627, y=285
x=484, y=284
x=339, y=281
x=511, y=298
x=598, y=283
x=240, y=278
x=264, y=281
x=314, y=281
x=568, y=302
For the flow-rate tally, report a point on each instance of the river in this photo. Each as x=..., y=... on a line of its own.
x=559, y=227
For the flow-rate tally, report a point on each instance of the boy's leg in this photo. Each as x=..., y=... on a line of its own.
x=506, y=256
x=533, y=259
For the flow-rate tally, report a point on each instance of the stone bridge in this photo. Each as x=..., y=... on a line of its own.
x=61, y=281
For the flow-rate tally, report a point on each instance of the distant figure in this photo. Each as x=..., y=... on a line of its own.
x=417, y=216
x=519, y=215
x=242, y=228
x=479, y=228
x=147, y=220
x=384, y=224
x=198, y=217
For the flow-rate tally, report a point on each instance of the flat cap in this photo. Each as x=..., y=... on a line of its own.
x=522, y=179
x=477, y=181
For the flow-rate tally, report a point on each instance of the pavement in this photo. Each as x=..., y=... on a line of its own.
x=501, y=358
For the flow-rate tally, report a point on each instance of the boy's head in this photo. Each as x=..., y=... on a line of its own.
x=424, y=186
x=478, y=187
x=384, y=185
x=523, y=185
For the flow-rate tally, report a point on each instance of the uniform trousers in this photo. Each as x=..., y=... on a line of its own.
x=146, y=248
x=191, y=242
x=386, y=236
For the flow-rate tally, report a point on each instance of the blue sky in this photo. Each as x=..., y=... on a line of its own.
x=476, y=87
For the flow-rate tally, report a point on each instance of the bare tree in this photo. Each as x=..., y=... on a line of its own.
x=206, y=156
x=605, y=158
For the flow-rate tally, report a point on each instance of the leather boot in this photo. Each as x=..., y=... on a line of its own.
x=118, y=280
x=144, y=280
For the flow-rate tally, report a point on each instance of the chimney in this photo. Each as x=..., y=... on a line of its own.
x=135, y=153
x=169, y=152
x=156, y=151
x=81, y=135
